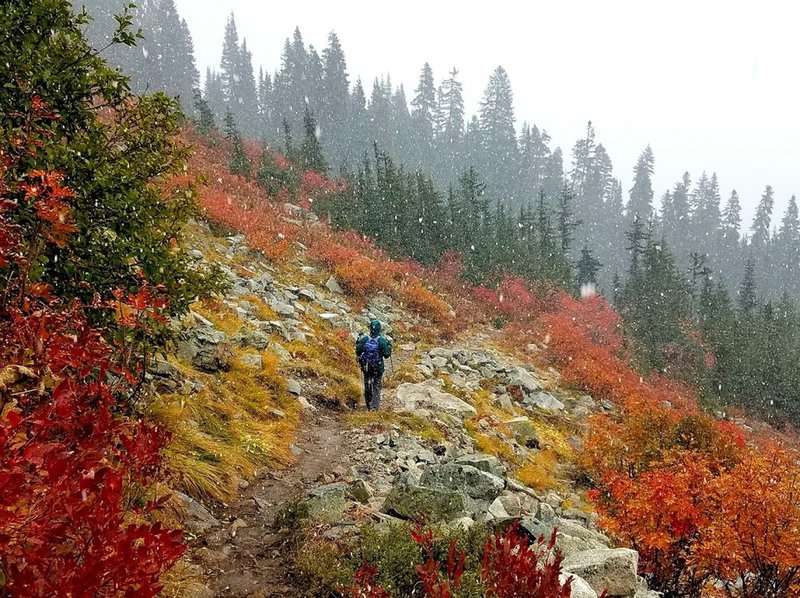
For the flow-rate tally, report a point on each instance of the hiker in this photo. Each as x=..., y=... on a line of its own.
x=371, y=350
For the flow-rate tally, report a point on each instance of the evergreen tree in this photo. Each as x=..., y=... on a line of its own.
x=499, y=155
x=450, y=127
x=587, y=268
x=747, y=291
x=762, y=221
x=789, y=249
x=641, y=194
x=310, y=151
x=239, y=163
x=205, y=118
x=336, y=118
x=423, y=117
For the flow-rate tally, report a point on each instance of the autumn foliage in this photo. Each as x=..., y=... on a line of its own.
x=74, y=473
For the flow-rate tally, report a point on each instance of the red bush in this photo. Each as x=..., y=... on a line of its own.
x=70, y=464
x=513, y=567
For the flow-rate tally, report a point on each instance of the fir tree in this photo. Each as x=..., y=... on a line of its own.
x=310, y=151
x=239, y=162
x=498, y=156
x=641, y=194
x=205, y=118
x=587, y=268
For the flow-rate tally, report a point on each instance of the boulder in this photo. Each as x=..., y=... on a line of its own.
x=293, y=386
x=579, y=588
x=413, y=502
x=523, y=379
x=253, y=360
x=471, y=481
x=606, y=569
x=198, y=519
x=333, y=286
x=544, y=400
x=428, y=396
x=256, y=339
x=524, y=431
x=328, y=502
x=488, y=463
x=361, y=491
x=207, y=348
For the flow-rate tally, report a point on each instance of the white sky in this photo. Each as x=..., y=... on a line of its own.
x=710, y=85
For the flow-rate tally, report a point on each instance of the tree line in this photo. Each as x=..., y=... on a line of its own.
x=425, y=179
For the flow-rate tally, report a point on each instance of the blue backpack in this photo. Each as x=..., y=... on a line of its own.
x=370, y=358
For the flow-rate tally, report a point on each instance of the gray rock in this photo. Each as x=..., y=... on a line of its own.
x=523, y=379
x=497, y=509
x=471, y=481
x=293, y=386
x=257, y=339
x=488, y=463
x=281, y=308
x=579, y=587
x=428, y=396
x=505, y=402
x=545, y=513
x=327, y=503
x=281, y=352
x=524, y=431
x=412, y=502
x=606, y=569
x=305, y=404
x=361, y=491
x=253, y=360
x=307, y=294
x=309, y=270
x=544, y=400
x=333, y=286
x=198, y=519
x=207, y=348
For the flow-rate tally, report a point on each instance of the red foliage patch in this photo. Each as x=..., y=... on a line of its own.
x=69, y=461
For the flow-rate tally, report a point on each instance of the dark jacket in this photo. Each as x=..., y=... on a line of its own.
x=384, y=346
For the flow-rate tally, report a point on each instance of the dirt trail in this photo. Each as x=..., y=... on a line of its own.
x=248, y=556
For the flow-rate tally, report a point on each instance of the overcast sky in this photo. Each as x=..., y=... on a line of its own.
x=710, y=85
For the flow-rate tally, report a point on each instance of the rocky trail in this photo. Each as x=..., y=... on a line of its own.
x=247, y=554
x=467, y=434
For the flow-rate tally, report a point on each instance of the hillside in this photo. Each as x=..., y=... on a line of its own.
x=483, y=399
x=181, y=409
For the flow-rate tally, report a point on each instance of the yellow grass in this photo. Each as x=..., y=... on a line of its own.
x=229, y=429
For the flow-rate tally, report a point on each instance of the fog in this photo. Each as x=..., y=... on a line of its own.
x=711, y=86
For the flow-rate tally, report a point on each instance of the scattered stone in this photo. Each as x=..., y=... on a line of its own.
x=488, y=463
x=333, y=286
x=523, y=379
x=253, y=360
x=280, y=351
x=579, y=587
x=524, y=431
x=428, y=396
x=544, y=400
x=328, y=502
x=606, y=569
x=293, y=386
x=464, y=478
x=361, y=491
x=545, y=513
x=497, y=509
x=198, y=519
x=305, y=404
x=413, y=502
x=205, y=347
x=309, y=270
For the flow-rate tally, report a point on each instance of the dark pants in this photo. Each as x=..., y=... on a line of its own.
x=372, y=391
